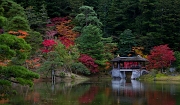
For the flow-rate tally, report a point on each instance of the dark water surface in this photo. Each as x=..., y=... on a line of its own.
x=98, y=92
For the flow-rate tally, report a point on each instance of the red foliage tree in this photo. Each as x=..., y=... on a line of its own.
x=66, y=42
x=58, y=20
x=89, y=63
x=48, y=45
x=160, y=57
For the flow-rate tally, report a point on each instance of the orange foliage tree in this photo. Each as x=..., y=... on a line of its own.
x=65, y=29
x=19, y=33
x=139, y=51
x=33, y=63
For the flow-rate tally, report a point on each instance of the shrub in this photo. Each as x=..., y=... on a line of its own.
x=62, y=74
x=72, y=77
x=80, y=68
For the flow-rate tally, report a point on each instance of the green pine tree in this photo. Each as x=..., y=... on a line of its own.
x=86, y=17
x=90, y=42
x=15, y=50
x=126, y=42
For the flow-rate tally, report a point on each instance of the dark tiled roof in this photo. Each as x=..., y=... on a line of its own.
x=128, y=59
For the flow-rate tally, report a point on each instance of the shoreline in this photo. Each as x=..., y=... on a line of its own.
x=160, y=78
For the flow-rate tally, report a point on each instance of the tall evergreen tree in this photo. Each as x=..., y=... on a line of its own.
x=90, y=43
x=121, y=14
x=74, y=5
x=158, y=23
x=126, y=42
x=169, y=22
x=102, y=11
x=86, y=17
x=37, y=19
x=57, y=8
x=16, y=17
x=34, y=3
x=35, y=44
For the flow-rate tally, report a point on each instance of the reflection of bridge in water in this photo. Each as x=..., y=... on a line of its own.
x=132, y=92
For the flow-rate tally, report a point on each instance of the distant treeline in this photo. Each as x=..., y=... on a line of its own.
x=152, y=22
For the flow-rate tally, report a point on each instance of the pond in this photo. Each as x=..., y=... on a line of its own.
x=97, y=92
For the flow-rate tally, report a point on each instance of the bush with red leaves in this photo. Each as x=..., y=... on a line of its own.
x=66, y=42
x=48, y=45
x=89, y=63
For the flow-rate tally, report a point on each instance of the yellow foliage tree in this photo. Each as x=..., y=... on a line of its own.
x=139, y=51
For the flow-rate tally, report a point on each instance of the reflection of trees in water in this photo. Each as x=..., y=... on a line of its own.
x=15, y=94
x=64, y=91
x=42, y=93
x=89, y=95
x=137, y=92
x=162, y=93
x=160, y=98
x=115, y=93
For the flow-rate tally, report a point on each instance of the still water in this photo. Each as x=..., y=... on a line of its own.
x=97, y=92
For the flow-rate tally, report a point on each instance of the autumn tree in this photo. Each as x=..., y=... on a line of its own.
x=66, y=42
x=160, y=57
x=48, y=45
x=138, y=51
x=52, y=59
x=57, y=57
x=65, y=28
x=89, y=63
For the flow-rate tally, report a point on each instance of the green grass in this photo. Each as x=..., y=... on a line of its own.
x=159, y=77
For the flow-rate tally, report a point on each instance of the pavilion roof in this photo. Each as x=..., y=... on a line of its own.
x=129, y=59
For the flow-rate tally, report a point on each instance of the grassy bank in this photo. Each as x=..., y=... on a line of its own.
x=159, y=77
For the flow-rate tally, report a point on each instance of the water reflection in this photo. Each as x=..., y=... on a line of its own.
x=102, y=92
x=128, y=92
x=138, y=93
x=89, y=95
x=121, y=84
